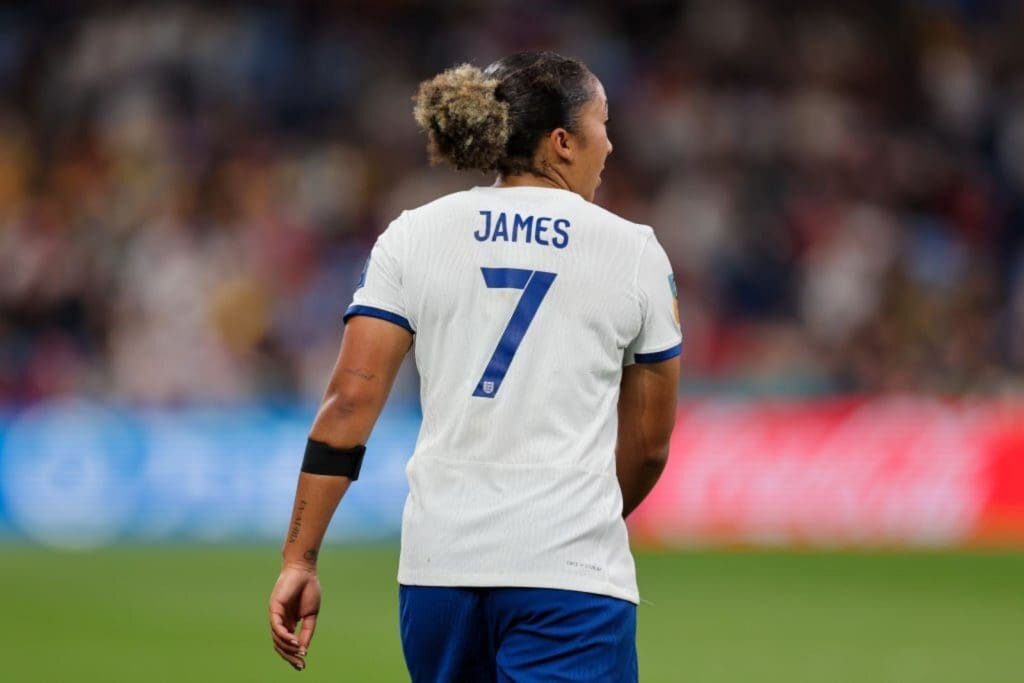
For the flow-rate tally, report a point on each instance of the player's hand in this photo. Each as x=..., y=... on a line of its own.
x=296, y=597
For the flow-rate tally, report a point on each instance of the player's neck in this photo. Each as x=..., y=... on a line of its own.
x=555, y=181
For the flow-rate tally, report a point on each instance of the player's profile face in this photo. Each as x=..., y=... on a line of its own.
x=594, y=143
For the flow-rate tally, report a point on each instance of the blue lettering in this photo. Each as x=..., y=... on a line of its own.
x=500, y=228
x=541, y=228
x=525, y=228
x=487, y=227
x=559, y=227
x=522, y=223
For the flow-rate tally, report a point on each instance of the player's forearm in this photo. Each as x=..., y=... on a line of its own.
x=640, y=454
x=345, y=419
x=638, y=473
x=316, y=499
x=647, y=408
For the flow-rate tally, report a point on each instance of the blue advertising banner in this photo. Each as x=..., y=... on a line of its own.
x=76, y=474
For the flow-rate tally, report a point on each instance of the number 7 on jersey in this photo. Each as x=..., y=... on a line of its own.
x=535, y=285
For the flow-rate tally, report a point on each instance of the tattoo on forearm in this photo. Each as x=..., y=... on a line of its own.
x=311, y=554
x=360, y=373
x=293, y=533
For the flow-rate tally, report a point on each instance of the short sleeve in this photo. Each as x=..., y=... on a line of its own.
x=660, y=336
x=379, y=293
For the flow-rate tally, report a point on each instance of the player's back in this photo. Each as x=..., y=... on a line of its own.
x=524, y=302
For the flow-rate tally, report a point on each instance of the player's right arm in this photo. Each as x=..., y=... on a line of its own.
x=377, y=337
x=647, y=413
x=371, y=354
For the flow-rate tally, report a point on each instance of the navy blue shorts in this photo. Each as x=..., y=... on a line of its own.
x=481, y=635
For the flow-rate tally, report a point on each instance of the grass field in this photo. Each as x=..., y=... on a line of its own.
x=197, y=614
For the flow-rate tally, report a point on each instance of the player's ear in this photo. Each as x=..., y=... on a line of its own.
x=561, y=144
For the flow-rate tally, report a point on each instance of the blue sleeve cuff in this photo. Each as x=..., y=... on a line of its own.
x=658, y=356
x=372, y=312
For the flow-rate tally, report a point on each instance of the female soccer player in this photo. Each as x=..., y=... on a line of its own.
x=546, y=338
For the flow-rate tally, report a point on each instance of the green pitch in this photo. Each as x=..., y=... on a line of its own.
x=198, y=614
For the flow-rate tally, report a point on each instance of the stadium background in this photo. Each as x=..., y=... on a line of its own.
x=188, y=192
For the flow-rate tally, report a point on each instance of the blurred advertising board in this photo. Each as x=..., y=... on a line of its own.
x=895, y=472
x=77, y=474
x=901, y=472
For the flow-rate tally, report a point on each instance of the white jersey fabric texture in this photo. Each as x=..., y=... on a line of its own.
x=526, y=303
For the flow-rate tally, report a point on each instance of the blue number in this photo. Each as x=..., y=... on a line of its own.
x=535, y=285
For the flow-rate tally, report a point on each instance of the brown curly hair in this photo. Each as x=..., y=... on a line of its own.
x=493, y=119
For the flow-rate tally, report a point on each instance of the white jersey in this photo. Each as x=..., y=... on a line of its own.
x=525, y=302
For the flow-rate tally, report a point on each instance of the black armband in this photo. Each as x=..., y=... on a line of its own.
x=322, y=458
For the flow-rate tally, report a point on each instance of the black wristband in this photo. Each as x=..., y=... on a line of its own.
x=322, y=458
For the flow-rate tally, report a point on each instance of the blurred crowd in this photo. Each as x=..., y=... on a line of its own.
x=188, y=192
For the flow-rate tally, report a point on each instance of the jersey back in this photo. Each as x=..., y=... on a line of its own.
x=525, y=303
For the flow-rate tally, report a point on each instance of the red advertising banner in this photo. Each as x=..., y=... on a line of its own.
x=880, y=472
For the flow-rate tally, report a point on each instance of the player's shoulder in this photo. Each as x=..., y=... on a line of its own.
x=628, y=237
x=411, y=222
x=442, y=206
x=638, y=231
x=429, y=217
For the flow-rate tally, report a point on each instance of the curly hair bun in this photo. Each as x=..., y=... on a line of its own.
x=466, y=125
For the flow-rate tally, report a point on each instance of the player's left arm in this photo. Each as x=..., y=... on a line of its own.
x=647, y=414
x=371, y=354
x=650, y=381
